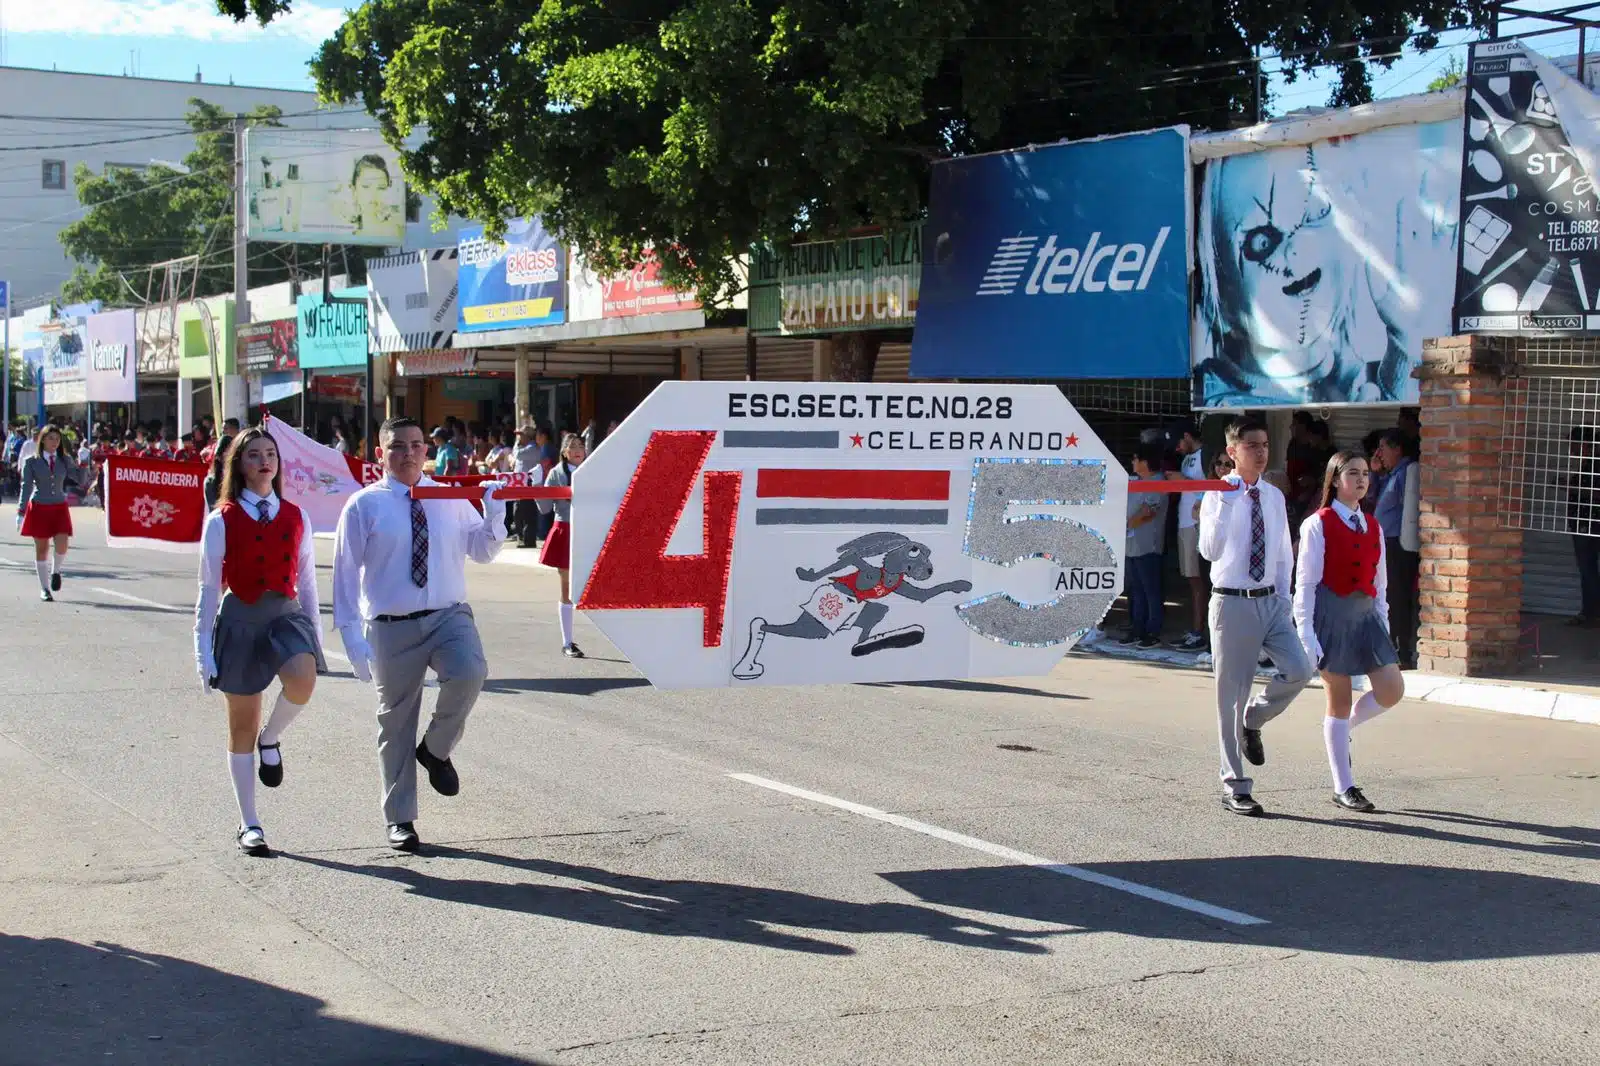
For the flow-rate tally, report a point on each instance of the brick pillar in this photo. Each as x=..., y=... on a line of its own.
x=1471, y=575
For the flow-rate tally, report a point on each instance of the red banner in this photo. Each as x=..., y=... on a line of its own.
x=154, y=503
x=533, y=480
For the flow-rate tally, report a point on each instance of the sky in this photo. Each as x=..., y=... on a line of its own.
x=171, y=38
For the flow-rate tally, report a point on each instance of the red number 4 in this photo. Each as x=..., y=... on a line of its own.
x=633, y=571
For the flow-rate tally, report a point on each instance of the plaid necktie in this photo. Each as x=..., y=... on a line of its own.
x=262, y=508
x=419, y=545
x=1355, y=523
x=1258, y=537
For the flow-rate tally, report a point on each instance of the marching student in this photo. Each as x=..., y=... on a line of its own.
x=1245, y=535
x=42, y=511
x=257, y=547
x=400, y=603
x=1342, y=614
x=557, y=550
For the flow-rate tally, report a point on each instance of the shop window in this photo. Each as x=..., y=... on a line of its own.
x=55, y=174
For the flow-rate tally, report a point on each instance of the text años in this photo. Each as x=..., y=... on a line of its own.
x=869, y=405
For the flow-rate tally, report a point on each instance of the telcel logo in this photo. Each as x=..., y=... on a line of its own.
x=1062, y=270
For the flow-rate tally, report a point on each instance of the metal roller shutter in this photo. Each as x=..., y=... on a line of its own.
x=1348, y=426
x=894, y=363
x=785, y=360
x=722, y=364
x=1549, y=574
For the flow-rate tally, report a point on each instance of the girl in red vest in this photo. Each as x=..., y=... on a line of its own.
x=258, y=548
x=1342, y=613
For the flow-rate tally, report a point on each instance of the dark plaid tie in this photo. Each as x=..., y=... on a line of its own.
x=261, y=510
x=1258, y=537
x=1355, y=523
x=419, y=544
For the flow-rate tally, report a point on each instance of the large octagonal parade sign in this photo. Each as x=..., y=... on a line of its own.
x=772, y=533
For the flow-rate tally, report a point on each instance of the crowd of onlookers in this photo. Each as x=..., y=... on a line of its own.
x=1156, y=520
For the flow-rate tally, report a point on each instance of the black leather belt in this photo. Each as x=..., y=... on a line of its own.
x=412, y=617
x=1249, y=594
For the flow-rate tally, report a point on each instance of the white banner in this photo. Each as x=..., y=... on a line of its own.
x=315, y=477
x=411, y=300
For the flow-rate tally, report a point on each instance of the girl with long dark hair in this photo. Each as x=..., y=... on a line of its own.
x=1342, y=614
x=258, y=560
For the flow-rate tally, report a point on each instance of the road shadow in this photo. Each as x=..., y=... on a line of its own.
x=566, y=686
x=989, y=687
x=77, y=1003
x=1382, y=910
x=1573, y=842
x=711, y=910
x=135, y=608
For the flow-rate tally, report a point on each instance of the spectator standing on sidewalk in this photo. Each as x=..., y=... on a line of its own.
x=1190, y=565
x=1147, y=535
x=1397, y=512
x=1583, y=520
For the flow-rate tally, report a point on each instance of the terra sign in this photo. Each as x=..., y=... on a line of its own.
x=738, y=533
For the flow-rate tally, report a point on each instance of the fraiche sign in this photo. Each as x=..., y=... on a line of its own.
x=1067, y=261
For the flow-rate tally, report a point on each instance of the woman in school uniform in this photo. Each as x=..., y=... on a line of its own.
x=257, y=617
x=42, y=511
x=1342, y=614
x=557, y=548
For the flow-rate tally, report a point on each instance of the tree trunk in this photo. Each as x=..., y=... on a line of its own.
x=854, y=356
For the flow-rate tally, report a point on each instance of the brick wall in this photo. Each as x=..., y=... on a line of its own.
x=1471, y=569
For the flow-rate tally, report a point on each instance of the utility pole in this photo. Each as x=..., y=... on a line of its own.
x=241, y=262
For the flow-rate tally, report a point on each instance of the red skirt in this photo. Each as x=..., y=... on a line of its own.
x=557, y=550
x=41, y=521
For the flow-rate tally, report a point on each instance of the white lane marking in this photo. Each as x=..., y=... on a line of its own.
x=1000, y=851
x=327, y=652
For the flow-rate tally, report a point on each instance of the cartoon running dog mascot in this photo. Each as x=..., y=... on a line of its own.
x=856, y=598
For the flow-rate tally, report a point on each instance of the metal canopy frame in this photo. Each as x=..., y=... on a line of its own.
x=1580, y=17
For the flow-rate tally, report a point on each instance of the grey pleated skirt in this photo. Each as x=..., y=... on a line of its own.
x=1351, y=632
x=252, y=641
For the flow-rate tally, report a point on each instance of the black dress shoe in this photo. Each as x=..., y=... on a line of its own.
x=572, y=651
x=271, y=776
x=441, y=774
x=1244, y=804
x=1351, y=799
x=55, y=582
x=253, y=842
x=1254, y=753
x=403, y=837
x=46, y=597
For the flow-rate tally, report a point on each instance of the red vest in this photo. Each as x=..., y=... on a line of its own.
x=261, y=556
x=1349, y=559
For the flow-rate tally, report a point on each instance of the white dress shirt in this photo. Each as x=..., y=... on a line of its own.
x=1225, y=537
x=214, y=545
x=1193, y=469
x=372, y=552
x=1308, y=575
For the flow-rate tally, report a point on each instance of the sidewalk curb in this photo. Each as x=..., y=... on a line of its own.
x=1525, y=700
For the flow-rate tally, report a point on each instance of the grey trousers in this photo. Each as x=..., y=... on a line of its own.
x=402, y=652
x=1240, y=630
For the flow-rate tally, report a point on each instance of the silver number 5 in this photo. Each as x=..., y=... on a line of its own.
x=1008, y=539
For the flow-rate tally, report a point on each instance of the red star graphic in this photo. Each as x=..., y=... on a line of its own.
x=1072, y=440
x=855, y=440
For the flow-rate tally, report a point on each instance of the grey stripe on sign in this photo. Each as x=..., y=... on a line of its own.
x=779, y=438
x=851, y=516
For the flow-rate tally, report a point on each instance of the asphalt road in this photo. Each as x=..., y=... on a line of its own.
x=806, y=876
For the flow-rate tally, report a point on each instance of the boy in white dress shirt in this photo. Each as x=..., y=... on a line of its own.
x=1245, y=535
x=399, y=602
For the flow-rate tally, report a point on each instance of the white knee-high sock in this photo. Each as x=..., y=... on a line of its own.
x=242, y=768
x=57, y=561
x=283, y=713
x=1366, y=708
x=1336, y=735
x=44, y=574
x=566, y=624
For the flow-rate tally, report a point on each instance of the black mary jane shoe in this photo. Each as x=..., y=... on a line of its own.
x=271, y=776
x=572, y=651
x=55, y=582
x=46, y=597
x=253, y=841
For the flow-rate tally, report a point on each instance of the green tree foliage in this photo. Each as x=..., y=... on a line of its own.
x=700, y=126
x=1449, y=78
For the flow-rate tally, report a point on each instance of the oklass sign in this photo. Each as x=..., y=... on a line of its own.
x=760, y=533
